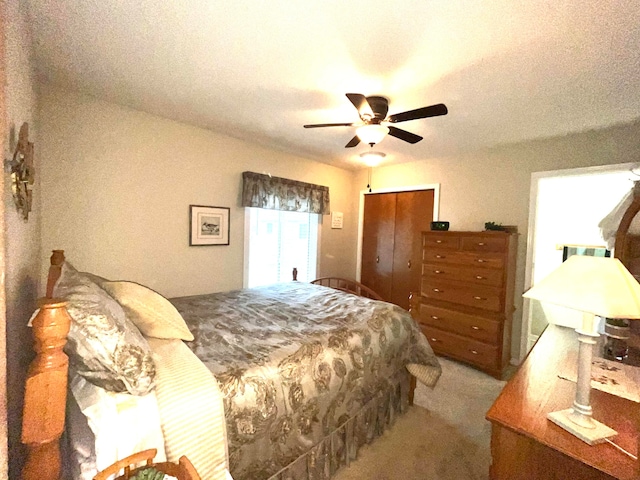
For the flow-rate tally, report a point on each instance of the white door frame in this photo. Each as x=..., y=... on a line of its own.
x=436, y=209
x=527, y=339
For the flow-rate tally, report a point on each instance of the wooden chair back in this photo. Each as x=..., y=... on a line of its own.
x=129, y=466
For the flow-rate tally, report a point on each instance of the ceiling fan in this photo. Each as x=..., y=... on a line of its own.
x=373, y=113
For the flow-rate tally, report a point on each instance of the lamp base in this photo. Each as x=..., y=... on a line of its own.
x=597, y=434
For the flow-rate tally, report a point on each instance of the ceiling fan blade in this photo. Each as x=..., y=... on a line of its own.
x=353, y=142
x=318, y=125
x=404, y=135
x=424, y=112
x=362, y=105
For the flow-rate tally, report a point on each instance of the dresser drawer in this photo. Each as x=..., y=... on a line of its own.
x=487, y=260
x=484, y=243
x=478, y=328
x=463, y=273
x=464, y=348
x=486, y=298
x=439, y=240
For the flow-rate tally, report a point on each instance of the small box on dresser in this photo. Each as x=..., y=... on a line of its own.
x=466, y=305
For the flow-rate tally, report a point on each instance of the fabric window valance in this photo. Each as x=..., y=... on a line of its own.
x=276, y=193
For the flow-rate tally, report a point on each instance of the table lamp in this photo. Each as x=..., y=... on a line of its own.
x=595, y=286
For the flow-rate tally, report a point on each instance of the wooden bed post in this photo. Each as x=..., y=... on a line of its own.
x=45, y=395
x=46, y=392
x=414, y=310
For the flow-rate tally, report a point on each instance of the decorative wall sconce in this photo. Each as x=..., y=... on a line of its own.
x=22, y=172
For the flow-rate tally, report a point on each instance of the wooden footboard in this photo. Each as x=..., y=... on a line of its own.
x=349, y=286
x=357, y=288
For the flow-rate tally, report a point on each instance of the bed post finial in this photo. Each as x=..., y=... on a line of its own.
x=57, y=259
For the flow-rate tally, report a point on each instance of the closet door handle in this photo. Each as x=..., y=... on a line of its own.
x=409, y=264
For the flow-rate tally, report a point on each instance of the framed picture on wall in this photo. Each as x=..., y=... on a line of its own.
x=208, y=225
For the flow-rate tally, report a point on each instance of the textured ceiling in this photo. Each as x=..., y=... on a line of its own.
x=508, y=70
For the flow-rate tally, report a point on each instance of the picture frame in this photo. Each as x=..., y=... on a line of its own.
x=208, y=225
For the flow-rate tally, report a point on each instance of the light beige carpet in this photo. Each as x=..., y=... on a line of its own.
x=444, y=436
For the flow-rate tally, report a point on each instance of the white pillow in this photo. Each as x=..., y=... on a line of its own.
x=122, y=424
x=154, y=315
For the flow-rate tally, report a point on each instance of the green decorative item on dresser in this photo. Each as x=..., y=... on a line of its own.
x=493, y=226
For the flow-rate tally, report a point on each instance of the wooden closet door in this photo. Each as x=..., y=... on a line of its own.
x=377, y=242
x=414, y=213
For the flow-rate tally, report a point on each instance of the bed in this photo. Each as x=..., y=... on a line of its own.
x=305, y=375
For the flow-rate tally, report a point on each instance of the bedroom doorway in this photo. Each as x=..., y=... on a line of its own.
x=390, y=223
x=565, y=207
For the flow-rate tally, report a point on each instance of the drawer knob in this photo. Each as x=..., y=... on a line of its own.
x=481, y=244
x=480, y=260
x=437, y=290
x=378, y=259
x=439, y=256
x=438, y=241
x=479, y=298
x=434, y=340
x=480, y=277
x=475, y=352
x=437, y=271
x=473, y=327
x=435, y=317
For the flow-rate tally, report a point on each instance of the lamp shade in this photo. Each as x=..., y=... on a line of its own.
x=597, y=285
x=372, y=134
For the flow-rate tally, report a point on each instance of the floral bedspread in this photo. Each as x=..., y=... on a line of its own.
x=294, y=361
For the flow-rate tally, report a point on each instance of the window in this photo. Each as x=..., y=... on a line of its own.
x=278, y=242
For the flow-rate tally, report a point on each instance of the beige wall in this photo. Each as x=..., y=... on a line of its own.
x=22, y=248
x=493, y=184
x=117, y=185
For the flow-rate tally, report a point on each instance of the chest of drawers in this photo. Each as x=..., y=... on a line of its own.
x=467, y=288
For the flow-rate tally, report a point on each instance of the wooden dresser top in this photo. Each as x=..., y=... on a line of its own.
x=536, y=390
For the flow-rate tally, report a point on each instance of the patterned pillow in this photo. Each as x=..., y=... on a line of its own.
x=154, y=315
x=103, y=345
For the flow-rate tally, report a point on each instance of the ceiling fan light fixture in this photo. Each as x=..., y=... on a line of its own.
x=372, y=159
x=372, y=134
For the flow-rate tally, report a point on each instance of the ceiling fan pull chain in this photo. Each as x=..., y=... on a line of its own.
x=369, y=184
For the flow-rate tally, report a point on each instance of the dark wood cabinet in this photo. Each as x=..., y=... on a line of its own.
x=526, y=445
x=392, y=243
x=466, y=304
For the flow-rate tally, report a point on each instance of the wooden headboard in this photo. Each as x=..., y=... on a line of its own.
x=627, y=246
x=46, y=386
